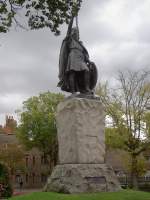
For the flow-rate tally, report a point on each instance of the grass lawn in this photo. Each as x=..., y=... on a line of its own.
x=122, y=195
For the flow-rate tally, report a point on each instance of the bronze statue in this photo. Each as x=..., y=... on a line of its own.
x=76, y=72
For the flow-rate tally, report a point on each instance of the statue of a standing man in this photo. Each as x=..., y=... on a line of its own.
x=76, y=72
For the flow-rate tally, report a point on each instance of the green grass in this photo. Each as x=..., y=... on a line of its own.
x=122, y=195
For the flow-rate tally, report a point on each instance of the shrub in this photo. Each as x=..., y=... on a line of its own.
x=5, y=186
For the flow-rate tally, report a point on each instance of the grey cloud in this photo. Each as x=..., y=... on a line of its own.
x=30, y=65
x=41, y=76
x=143, y=33
x=132, y=56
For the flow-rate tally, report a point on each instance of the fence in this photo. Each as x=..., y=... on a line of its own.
x=143, y=182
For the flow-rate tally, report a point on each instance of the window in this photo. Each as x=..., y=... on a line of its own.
x=44, y=160
x=33, y=177
x=33, y=160
x=27, y=160
x=27, y=178
x=43, y=178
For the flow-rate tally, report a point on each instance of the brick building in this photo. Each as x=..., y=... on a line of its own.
x=36, y=168
x=10, y=125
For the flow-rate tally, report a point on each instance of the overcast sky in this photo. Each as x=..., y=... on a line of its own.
x=115, y=32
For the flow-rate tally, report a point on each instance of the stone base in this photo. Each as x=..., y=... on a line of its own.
x=80, y=130
x=82, y=178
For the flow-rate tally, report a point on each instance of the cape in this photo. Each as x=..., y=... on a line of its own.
x=63, y=59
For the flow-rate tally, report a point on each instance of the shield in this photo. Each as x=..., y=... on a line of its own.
x=93, y=75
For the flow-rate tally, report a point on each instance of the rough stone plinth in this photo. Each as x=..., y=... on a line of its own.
x=82, y=178
x=80, y=128
x=82, y=168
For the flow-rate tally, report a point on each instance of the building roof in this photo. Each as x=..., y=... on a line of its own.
x=8, y=138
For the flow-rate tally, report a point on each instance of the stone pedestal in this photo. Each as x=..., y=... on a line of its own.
x=82, y=178
x=82, y=168
x=80, y=128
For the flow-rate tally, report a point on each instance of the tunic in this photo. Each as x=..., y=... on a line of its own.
x=77, y=56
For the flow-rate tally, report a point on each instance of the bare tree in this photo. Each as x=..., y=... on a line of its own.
x=126, y=106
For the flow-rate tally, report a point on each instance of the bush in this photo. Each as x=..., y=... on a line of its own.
x=5, y=186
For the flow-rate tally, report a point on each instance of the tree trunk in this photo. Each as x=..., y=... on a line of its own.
x=134, y=174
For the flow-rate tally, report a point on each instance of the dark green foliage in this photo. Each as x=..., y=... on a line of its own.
x=6, y=16
x=40, y=13
x=5, y=186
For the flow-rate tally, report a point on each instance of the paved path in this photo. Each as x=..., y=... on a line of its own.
x=25, y=191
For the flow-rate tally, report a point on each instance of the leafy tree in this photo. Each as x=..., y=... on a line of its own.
x=12, y=156
x=5, y=186
x=113, y=138
x=126, y=106
x=147, y=123
x=40, y=13
x=37, y=124
x=141, y=166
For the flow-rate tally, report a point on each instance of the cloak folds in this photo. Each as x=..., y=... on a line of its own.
x=63, y=59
